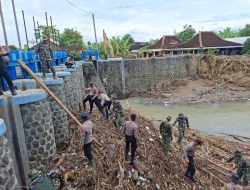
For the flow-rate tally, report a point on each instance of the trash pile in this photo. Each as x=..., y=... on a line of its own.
x=221, y=68
x=153, y=168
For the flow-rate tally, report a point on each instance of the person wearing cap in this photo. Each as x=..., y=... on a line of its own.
x=87, y=137
x=166, y=133
x=182, y=121
x=46, y=55
x=234, y=183
x=131, y=137
x=189, y=153
x=4, y=73
x=105, y=103
x=117, y=112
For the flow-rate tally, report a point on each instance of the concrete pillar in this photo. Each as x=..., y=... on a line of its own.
x=59, y=117
x=8, y=178
x=38, y=127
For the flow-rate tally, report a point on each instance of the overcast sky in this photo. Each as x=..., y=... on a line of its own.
x=143, y=19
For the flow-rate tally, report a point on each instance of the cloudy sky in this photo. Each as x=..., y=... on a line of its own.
x=144, y=19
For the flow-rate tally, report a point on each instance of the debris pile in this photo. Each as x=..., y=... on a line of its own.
x=154, y=169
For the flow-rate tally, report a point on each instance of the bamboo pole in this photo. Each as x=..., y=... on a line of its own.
x=27, y=69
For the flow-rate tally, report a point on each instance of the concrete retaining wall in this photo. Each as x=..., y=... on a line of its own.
x=8, y=178
x=127, y=76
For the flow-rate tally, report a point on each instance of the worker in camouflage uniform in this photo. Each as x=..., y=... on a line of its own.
x=182, y=124
x=166, y=133
x=241, y=165
x=46, y=56
x=117, y=115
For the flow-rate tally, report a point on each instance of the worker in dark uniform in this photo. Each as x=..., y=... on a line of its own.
x=46, y=56
x=90, y=95
x=234, y=184
x=131, y=137
x=189, y=153
x=4, y=73
x=117, y=112
x=105, y=103
x=241, y=165
x=166, y=133
x=182, y=124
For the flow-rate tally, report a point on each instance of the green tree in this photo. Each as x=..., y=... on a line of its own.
x=153, y=41
x=246, y=47
x=228, y=33
x=121, y=47
x=76, y=55
x=71, y=37
x=187, y=33
x=129, y=38
x=245, y=31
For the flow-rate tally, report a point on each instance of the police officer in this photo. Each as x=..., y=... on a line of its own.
x=131, y=137
x=234, y=184
x=117, y=116
x=182, y=124
x=166, y=133
x=4, y=73
x=46, y=56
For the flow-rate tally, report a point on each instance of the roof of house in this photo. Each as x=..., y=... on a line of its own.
x=240, y=40
x=11, y=47
x=137, y=45
x=166, y=42
x=206, y=39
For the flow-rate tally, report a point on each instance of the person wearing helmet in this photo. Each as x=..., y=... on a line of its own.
x=166, y=133
x=46, y=55
x=4, y=73
x=182, y=121
x=117, y=112
x=189, y=153
x=234, y=183
x=87, y=137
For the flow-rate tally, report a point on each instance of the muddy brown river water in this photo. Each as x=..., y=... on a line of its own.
x=210, y=118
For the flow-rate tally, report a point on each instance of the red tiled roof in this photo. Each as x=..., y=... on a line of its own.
x=166, y=42
x=205, y=39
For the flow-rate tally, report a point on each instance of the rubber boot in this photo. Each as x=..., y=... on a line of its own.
x=13, y=92
x=54, y=75
x=43, y=74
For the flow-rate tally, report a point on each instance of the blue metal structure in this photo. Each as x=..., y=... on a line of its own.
x=89, y=53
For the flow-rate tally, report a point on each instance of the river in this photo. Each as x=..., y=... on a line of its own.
x=210, y=118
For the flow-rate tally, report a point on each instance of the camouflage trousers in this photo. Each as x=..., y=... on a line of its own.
x=181, y=135
x=46, y=67
x=117, y=120
x=166, y=142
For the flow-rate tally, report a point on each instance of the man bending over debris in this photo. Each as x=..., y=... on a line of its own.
x=166, y=133
x=105, y=103
x=87, y=137
x=131, y=137
x=189, y=153
x=182, y=124
x=117, y=116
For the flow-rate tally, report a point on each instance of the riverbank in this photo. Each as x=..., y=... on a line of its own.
x=196, y=90
x=165, y=169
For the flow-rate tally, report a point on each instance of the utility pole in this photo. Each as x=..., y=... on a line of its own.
x=17, y=30
x=3, y=25
x=27, y=41
x=93, y=16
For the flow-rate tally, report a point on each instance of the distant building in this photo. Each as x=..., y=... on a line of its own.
x=134, y=48
x=207, y=41
x=240, y=40
x=161, y=48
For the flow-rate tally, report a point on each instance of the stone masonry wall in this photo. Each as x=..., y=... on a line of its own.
x=8, y=179
x=74, y=89
x=39, y=133
x=59, y=117
x=127, y=76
